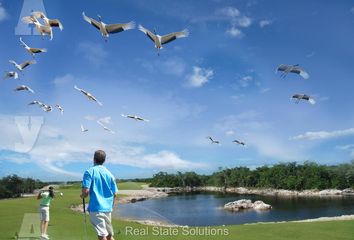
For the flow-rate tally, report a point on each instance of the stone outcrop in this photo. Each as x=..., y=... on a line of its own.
x=245, y=204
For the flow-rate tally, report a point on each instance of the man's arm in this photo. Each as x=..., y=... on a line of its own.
x=39, y=196
x=86, y=184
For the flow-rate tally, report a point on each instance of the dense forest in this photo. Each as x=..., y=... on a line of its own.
x=13, y=186
x=290, y=176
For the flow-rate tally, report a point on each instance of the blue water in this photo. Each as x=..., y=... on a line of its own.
x=205, y=209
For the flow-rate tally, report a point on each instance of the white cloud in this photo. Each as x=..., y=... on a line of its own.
x=243, y=21
x=3, y=13
x=234, y=32
x=93, y=52
x=264, y=23
x=230, y=132
x=245, y=81
x=236, y=21
x=106, y=120
x=322, y=135
x=68, y=78
x=200, y=76
x=229, y=12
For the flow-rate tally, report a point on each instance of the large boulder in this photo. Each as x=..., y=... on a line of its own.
x=244, y=204
x=331, y=192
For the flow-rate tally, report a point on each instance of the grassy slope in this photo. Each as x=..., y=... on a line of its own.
x=66, y=224
x=130, y=186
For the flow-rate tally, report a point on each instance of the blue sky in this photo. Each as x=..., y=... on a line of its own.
x=219, y=81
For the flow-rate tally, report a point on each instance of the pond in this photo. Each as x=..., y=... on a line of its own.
x=206, y=209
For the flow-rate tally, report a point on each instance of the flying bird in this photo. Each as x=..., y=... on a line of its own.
x=105, y=127
x=24, y=88
x=305, y=97
x=107, y=29
x=285, y=69
x=61, y=109
x=43, y=106
x=213, y=141
x=161, y=40
x=41, y=29
x=47, y=21
x=22, y=65
x=135, y=118
x=11, y=74
x=83, y=129
x=239, y=142
x=30, y=50
x=88, y=95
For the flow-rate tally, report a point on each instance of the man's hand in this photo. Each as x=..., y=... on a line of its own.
x=84, y=193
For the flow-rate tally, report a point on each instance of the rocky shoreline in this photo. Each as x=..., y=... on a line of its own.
x=265, y=191
x=245, y=204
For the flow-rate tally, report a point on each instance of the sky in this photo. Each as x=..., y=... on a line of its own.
x=220, y=81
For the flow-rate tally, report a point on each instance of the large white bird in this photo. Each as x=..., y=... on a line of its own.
x=107, y=29
x=285, y=69
x=61, y=109
x=31, y=50
x=83, y=129
x=135, y=118
x=105, y=127
x=213, y=141
x=161, y=40
x=88, y=95
x=47, y=21
x=305, y=97
x=41, y=29
x=11, y=74
x=24, y=88
x=22, y=65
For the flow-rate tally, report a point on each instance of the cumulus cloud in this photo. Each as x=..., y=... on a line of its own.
x=323, y=135
x=264, y=23
x=3, y=13
x=236, y=20
x=200, y=76
x=171, y=66
x=234, y=32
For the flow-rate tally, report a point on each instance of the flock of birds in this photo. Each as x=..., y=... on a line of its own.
x=44, y=26
x=285, y=70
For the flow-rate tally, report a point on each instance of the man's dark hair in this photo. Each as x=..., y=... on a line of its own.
x=99, y=157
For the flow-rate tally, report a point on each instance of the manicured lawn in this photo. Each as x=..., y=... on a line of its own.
x=130, y=185
x=66, y=224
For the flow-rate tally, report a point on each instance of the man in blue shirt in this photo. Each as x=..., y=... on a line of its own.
x=100, y=184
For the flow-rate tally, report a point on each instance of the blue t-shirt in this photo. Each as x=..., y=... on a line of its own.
x=102, y=186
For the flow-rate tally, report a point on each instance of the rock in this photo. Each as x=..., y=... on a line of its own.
x=244, y=204
x=259, y=205
x=330, y=192
x=348, y=191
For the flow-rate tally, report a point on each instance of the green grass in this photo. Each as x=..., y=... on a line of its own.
x=66, y=225
x=130, y=185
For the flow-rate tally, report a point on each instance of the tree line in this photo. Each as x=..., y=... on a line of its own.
x=291, y=176
x=13, y=186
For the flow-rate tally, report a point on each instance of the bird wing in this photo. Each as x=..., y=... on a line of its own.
x=29, y=19
x=56, y=23
x=27, y=63
x=119, y=27
x=297, y=96
x=91, y=21
x=172, y=36
x=148, y=33
x=301, y=72
x=38, y=50
x=282, y=67
x=13, y=62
